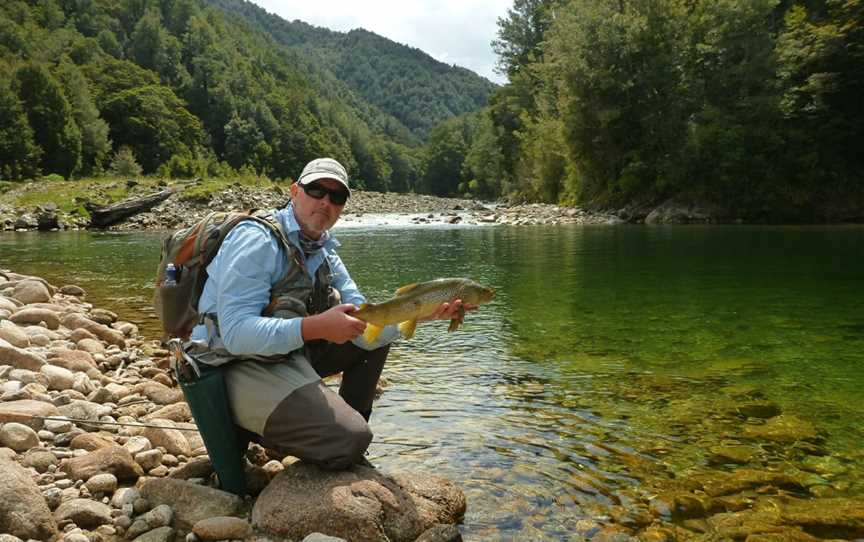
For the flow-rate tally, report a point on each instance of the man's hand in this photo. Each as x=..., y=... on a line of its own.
x=335, y=325
x=448, y=311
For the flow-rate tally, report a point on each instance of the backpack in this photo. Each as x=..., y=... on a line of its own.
x=190, y=250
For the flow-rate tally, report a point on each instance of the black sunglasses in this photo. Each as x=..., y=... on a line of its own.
x=317, y=191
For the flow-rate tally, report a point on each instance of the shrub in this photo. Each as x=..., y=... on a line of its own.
x=123, y=164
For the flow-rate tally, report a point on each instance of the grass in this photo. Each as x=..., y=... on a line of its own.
x=69, y=196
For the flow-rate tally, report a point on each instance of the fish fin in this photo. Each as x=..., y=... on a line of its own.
x=407, y=328
x=362, y=306
x=458, y=320
x=407, y=288
x=371, y=333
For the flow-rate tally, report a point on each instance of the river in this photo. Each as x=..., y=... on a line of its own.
x=611, y=360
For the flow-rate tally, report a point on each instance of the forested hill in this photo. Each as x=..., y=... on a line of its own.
x=183, y=89
x=403, y=81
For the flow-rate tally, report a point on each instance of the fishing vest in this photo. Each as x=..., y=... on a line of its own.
x=295, y=295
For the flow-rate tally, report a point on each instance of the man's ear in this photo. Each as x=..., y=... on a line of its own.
x=293, y=189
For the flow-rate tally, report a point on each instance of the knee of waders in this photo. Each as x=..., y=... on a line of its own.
x=349, y=445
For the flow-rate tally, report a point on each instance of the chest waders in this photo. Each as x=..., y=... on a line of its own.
x=203, y=384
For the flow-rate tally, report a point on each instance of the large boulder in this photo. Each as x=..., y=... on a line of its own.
x=19, y=358
x=73, y=321
x=159, y=393
x=164, y=435
x=35, y=316
x=27, y=412
x=13, y=334
x=360, y=504
x=84, y=513
x=191, y=503
x=826, y=518
x=18, y=436
x=23, y=511
x=114, y=459
x=31, y=291
x=74, y=360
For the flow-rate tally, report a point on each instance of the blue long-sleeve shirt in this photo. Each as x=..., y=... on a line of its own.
x=250, y=261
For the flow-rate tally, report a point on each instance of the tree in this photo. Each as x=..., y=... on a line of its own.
x=94, y=131
x=19, y=155
x=153, y=121
x=50, y=116
x=521, y=33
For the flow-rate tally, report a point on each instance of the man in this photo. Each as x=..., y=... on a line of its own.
x=283, y=317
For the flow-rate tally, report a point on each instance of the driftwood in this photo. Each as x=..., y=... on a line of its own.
x=102, y=216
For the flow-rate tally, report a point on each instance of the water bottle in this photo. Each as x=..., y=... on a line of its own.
x=170, y=275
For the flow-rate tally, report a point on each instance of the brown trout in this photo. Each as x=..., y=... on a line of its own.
x=418, y=300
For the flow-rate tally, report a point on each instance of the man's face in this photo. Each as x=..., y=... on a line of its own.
x=316, y=215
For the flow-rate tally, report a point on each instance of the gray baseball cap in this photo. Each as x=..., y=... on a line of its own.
x=324, y=168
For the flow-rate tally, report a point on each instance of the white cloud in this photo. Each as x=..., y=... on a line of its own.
x=453, y=31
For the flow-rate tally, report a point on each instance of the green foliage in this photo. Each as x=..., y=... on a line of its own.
x=752, y=104
x=95, y=146
x=50, y=117
x=124, y=164
x=154, y=121
x=19, y=155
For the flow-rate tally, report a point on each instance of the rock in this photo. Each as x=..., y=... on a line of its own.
x=197, y=467
x=92, y=346
x=47, y=218
x=19, y=358
x=74, y=360
x=222, y=528
x=441, y=533
x=161, y=534
x=27, y=412
x=53, y=497
x=58, y=377
x=23, y=511
x=84, y=410
x=719, y=483
x=7, y=304
x=825, y=465
x=160, y=516
x=31, y=291
x=34, y=316
x=318, y=537
x=101, y=483
x=177, y=412
x=71, y=289
x=115, y=460
x=190, y=502
x=103, y=316
x=74, y=321
x=90, y=442
x=149, y=459
x=84, y=513
x=166, y=436
x=137, y=444
x=80, y=334
x=733, y=453
x=13, y=334
x=359, y=504
x=783, y=428
x=826, y=518
x=159, y=393
x=759, y=409
x=41, y=460
x=19, y=437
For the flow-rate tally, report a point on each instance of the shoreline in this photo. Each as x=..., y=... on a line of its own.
x=367, y=208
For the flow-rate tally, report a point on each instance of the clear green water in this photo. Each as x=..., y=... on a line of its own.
x=609, y=360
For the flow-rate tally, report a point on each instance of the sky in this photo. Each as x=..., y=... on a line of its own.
x=451, y=31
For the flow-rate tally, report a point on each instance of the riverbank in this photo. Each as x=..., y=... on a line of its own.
x=28, y=207
x=97, y=445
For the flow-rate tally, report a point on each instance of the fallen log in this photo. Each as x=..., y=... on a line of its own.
x=102, y=216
